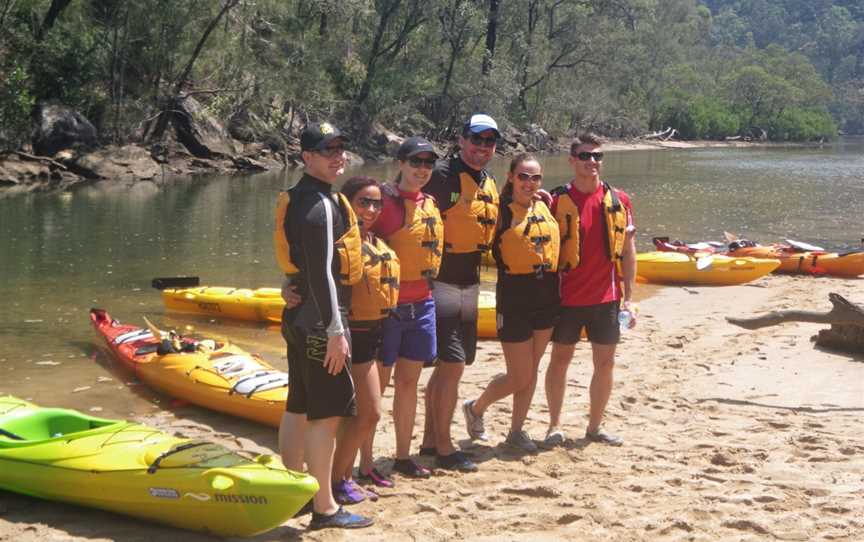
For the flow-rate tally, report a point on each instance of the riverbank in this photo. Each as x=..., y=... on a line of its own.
x=729, y=435
x=129, y=164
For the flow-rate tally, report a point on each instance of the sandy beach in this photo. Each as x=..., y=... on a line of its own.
x=729, y=435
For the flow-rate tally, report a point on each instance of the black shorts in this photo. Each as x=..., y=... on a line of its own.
x=365, y=342
x=517, y=327
x=311, y=389
x=601, y=321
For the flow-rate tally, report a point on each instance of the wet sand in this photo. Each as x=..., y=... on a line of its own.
x=729, y=435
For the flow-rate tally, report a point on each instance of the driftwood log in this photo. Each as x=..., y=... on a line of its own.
x=662, y=135
x=846, y=319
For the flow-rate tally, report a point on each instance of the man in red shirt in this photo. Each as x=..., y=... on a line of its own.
x=598, y=264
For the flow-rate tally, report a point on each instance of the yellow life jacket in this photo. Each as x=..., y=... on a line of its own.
x=419, y=241
x=530, y=241
x=348, y=247
x=378, y=291
x=469, y=225
x=567, y=214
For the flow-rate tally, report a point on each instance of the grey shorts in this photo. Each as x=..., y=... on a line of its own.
x=456, y=321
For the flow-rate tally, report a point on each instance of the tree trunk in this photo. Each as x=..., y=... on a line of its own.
x=846, y=319
x=54, y=11
x=526, y=57
x=491, y=36
x=178, y=85
x=168, y=109
x=7, y=8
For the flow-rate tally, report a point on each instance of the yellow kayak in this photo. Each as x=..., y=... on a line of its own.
x=266, y=304
x=707, y=269
x=225, y=378
x=486, y=322
x=258, y=305
x=128, y=468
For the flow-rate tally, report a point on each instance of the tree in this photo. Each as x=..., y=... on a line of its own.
x=396, y=20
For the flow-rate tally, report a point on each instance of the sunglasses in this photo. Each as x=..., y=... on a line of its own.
x=585, y=156
x=376, y=204
x=482, y=141
x=428, y=163
x=331, y=152
x=528, y=177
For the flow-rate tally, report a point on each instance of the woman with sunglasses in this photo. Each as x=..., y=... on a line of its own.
x=412, y=226
x=526, y=249
x=372, y=299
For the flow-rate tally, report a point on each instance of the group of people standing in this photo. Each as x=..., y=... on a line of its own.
x=383, y=279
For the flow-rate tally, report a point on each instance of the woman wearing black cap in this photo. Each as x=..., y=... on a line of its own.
x=411, y=225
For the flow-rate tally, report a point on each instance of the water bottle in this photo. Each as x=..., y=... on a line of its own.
x=624, y=319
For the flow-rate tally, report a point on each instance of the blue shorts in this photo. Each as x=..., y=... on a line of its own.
x=409, y=332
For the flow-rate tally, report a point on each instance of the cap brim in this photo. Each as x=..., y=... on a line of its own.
x=421, y=151
x=480, y=128
x=329, y=138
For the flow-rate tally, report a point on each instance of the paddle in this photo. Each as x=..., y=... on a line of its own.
x=704, y=262
x=162, y=283
x=803, y=247
x=157, y=333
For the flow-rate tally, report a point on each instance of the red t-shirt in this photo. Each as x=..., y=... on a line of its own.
x=595, y=280
x=389, y=221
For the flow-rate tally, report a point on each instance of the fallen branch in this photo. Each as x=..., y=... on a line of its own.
x=41, y=159
x=843, y=312
x=662, y=135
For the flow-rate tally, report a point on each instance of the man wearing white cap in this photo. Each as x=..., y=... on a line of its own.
x=468, y=199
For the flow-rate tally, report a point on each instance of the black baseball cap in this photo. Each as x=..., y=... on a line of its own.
x=316, y=137
x=414, y=146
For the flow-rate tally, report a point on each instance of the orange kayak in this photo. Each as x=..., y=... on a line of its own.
x=808, y=262
x=222, y=377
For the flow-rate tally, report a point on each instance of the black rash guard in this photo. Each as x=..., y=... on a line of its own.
x=313, y=224
x=459, y=269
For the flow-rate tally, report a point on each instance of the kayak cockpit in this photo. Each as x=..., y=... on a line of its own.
x=50, y=423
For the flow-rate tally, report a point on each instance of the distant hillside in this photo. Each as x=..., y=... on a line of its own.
x=830, y=33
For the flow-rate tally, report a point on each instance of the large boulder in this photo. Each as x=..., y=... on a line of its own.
x=58, y=127
x=246, y=126
x=195, y=128
x=536, y=138
x=386, y=140
x=128, y=162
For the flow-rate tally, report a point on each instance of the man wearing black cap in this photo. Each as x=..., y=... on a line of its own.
x=318, y=247
x=468, y=199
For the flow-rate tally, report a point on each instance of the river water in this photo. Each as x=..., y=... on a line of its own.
x=99, y=246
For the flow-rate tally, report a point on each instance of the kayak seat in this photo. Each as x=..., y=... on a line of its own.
x=147, y=349
x=48, y=423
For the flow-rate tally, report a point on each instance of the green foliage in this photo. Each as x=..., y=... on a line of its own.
x=709, y=68
x=15, y=104
x=700, y=117
x=799, y=124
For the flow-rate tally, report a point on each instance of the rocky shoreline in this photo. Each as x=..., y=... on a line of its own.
x=64, y=153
